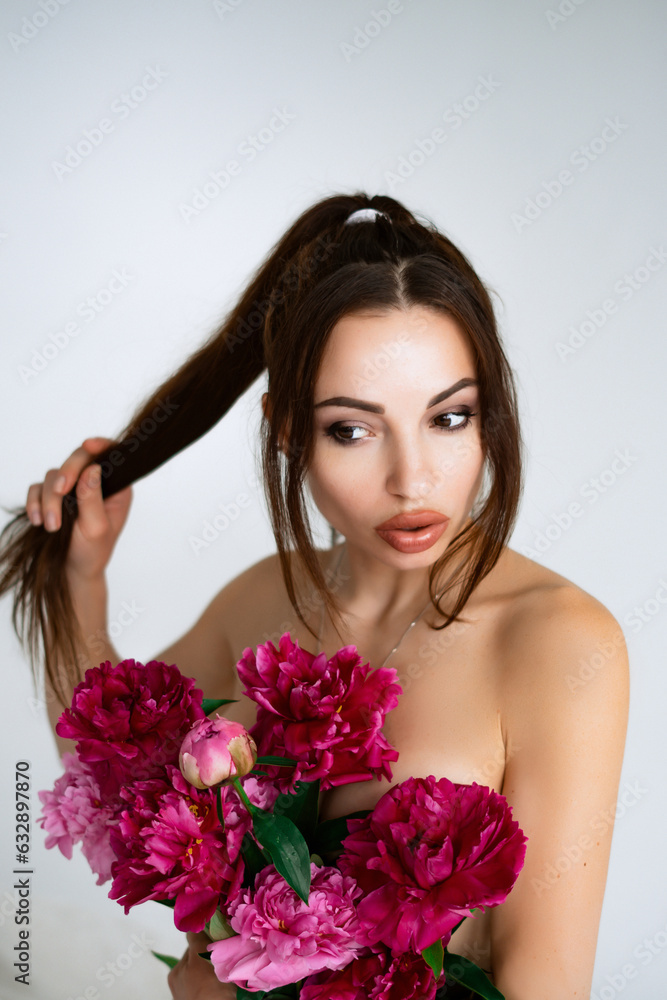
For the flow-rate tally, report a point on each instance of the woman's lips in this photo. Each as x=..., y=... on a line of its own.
x=412, y=519
x=405, y=540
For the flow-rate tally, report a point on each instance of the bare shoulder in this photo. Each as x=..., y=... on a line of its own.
x=261, y=574
x=209, y=649
x=260, y=589
x=253, y=595
x=257, y=600
x=556, y=638
x=541, y=599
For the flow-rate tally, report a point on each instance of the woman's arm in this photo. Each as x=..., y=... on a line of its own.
x=93, y=539
x=566, y=709
x=89, y=598
x=203, y=652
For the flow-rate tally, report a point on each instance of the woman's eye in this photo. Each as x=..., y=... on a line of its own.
x=339, y=432
x=460, y=420
x=344, y=433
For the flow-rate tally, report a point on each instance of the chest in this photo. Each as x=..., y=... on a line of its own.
x=448, y=720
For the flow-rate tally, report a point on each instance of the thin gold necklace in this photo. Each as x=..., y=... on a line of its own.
x=410, y=626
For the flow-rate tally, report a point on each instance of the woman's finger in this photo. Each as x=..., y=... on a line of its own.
x=44, y=500
x=198, y=942
x=51, y=501
x=74, y=464
x=92, y=517
x=33, y=503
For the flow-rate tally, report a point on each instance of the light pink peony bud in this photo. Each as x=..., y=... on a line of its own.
x=216, y=750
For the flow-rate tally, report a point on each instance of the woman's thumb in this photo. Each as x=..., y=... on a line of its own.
x=89, y=497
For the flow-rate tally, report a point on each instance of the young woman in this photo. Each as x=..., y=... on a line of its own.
x=391, y=401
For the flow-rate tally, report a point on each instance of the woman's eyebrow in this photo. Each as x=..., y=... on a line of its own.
x=362, y=404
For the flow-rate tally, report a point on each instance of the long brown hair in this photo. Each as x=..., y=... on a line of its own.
x=319, y=271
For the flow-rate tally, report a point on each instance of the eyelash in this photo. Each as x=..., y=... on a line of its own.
x=335, y=428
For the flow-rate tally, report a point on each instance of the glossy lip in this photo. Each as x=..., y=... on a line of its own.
x=412, y=519
x=413, y=541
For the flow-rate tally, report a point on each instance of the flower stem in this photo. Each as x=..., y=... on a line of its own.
x=246, y=801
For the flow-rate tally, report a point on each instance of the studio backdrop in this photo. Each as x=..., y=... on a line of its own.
x=154, y=152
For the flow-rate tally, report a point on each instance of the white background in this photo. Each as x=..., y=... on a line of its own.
x=362, y=98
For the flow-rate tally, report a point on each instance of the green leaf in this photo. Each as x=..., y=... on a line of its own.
x=301, y=806
x=288, y=992
x=255, y=859
x=167, y=902
x=328, y=835
x=433, y=956
x=218, y=927
x=242, y=994
x=277, y=761
x=287, y=847
x=205, y=954
x=167, y=959
x=470, y=975
x=210, y=704
x=218, y=806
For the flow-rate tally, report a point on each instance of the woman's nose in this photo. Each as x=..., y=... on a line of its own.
x=410, y=474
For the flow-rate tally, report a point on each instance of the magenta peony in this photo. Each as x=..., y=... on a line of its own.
x=215, y=750
x=405, y=977
x=130, y=720
x=326, y=714
x=170, y=845
x=73, y=812
x=375, y=975
x=428, y=854
x=280, y=939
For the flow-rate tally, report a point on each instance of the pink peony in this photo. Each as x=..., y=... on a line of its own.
x=262, y=793
x=170, y=845
x=375, y=975
x=215, y=750
x=130, y=720
x=428, y=854
x=326, y=714
x=73, y=812
x=280, y=939
x=238, y=820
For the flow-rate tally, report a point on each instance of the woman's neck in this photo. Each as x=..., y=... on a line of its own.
x=371, y=593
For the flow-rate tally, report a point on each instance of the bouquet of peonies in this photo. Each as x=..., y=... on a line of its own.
x=222, y=824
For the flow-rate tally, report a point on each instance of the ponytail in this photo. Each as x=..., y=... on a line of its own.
x=319, y=270
x=185, y=407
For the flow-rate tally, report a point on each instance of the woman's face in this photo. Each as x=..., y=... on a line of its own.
x=384, y=443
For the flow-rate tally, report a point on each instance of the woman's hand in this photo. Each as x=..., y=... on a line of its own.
x=194, y=978
x=99, y=520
